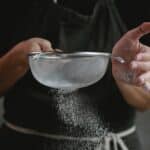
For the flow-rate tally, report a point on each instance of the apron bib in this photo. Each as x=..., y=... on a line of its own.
x=96, y=32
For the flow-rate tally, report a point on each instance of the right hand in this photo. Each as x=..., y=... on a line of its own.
x=136, y=70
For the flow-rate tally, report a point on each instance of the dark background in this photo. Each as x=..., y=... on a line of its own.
x=133, y=12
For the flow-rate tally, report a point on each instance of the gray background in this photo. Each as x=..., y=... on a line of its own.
x=143, y=126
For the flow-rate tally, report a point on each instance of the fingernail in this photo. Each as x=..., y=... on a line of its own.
x=134, y=65
x=138, y=57
x=141, y=80
x=146, y=87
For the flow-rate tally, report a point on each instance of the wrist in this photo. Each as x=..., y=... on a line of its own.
x=11, y=67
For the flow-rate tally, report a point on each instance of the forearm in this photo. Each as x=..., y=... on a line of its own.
x=10, y=72
x=135, y=96
x=14, y=64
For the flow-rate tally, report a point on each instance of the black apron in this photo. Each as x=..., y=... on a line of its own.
x=31, y=105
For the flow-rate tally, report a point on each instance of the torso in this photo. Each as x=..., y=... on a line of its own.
x=84, y=112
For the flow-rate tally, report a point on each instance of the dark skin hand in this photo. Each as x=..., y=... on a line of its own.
x=14, y=64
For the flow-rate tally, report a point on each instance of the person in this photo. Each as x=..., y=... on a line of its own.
x=100, y=116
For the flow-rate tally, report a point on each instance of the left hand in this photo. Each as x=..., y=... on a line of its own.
x=136, y=69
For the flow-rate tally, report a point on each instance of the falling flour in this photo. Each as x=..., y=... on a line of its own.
x=79, y=116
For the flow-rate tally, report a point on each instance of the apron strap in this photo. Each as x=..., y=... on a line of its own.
x=115, y=138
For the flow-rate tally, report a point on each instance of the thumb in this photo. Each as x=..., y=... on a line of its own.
x=40, y=44
x=138, y=32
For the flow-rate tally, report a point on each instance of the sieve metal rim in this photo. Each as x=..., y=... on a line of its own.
x=63, y=55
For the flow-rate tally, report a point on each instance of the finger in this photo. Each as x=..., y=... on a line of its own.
x=144, y=48
x=139, y=31
x=140, y=65
x=46, y=46
x=143, y=56
x=43, y=44
x=146, y=87
x=143, y=78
